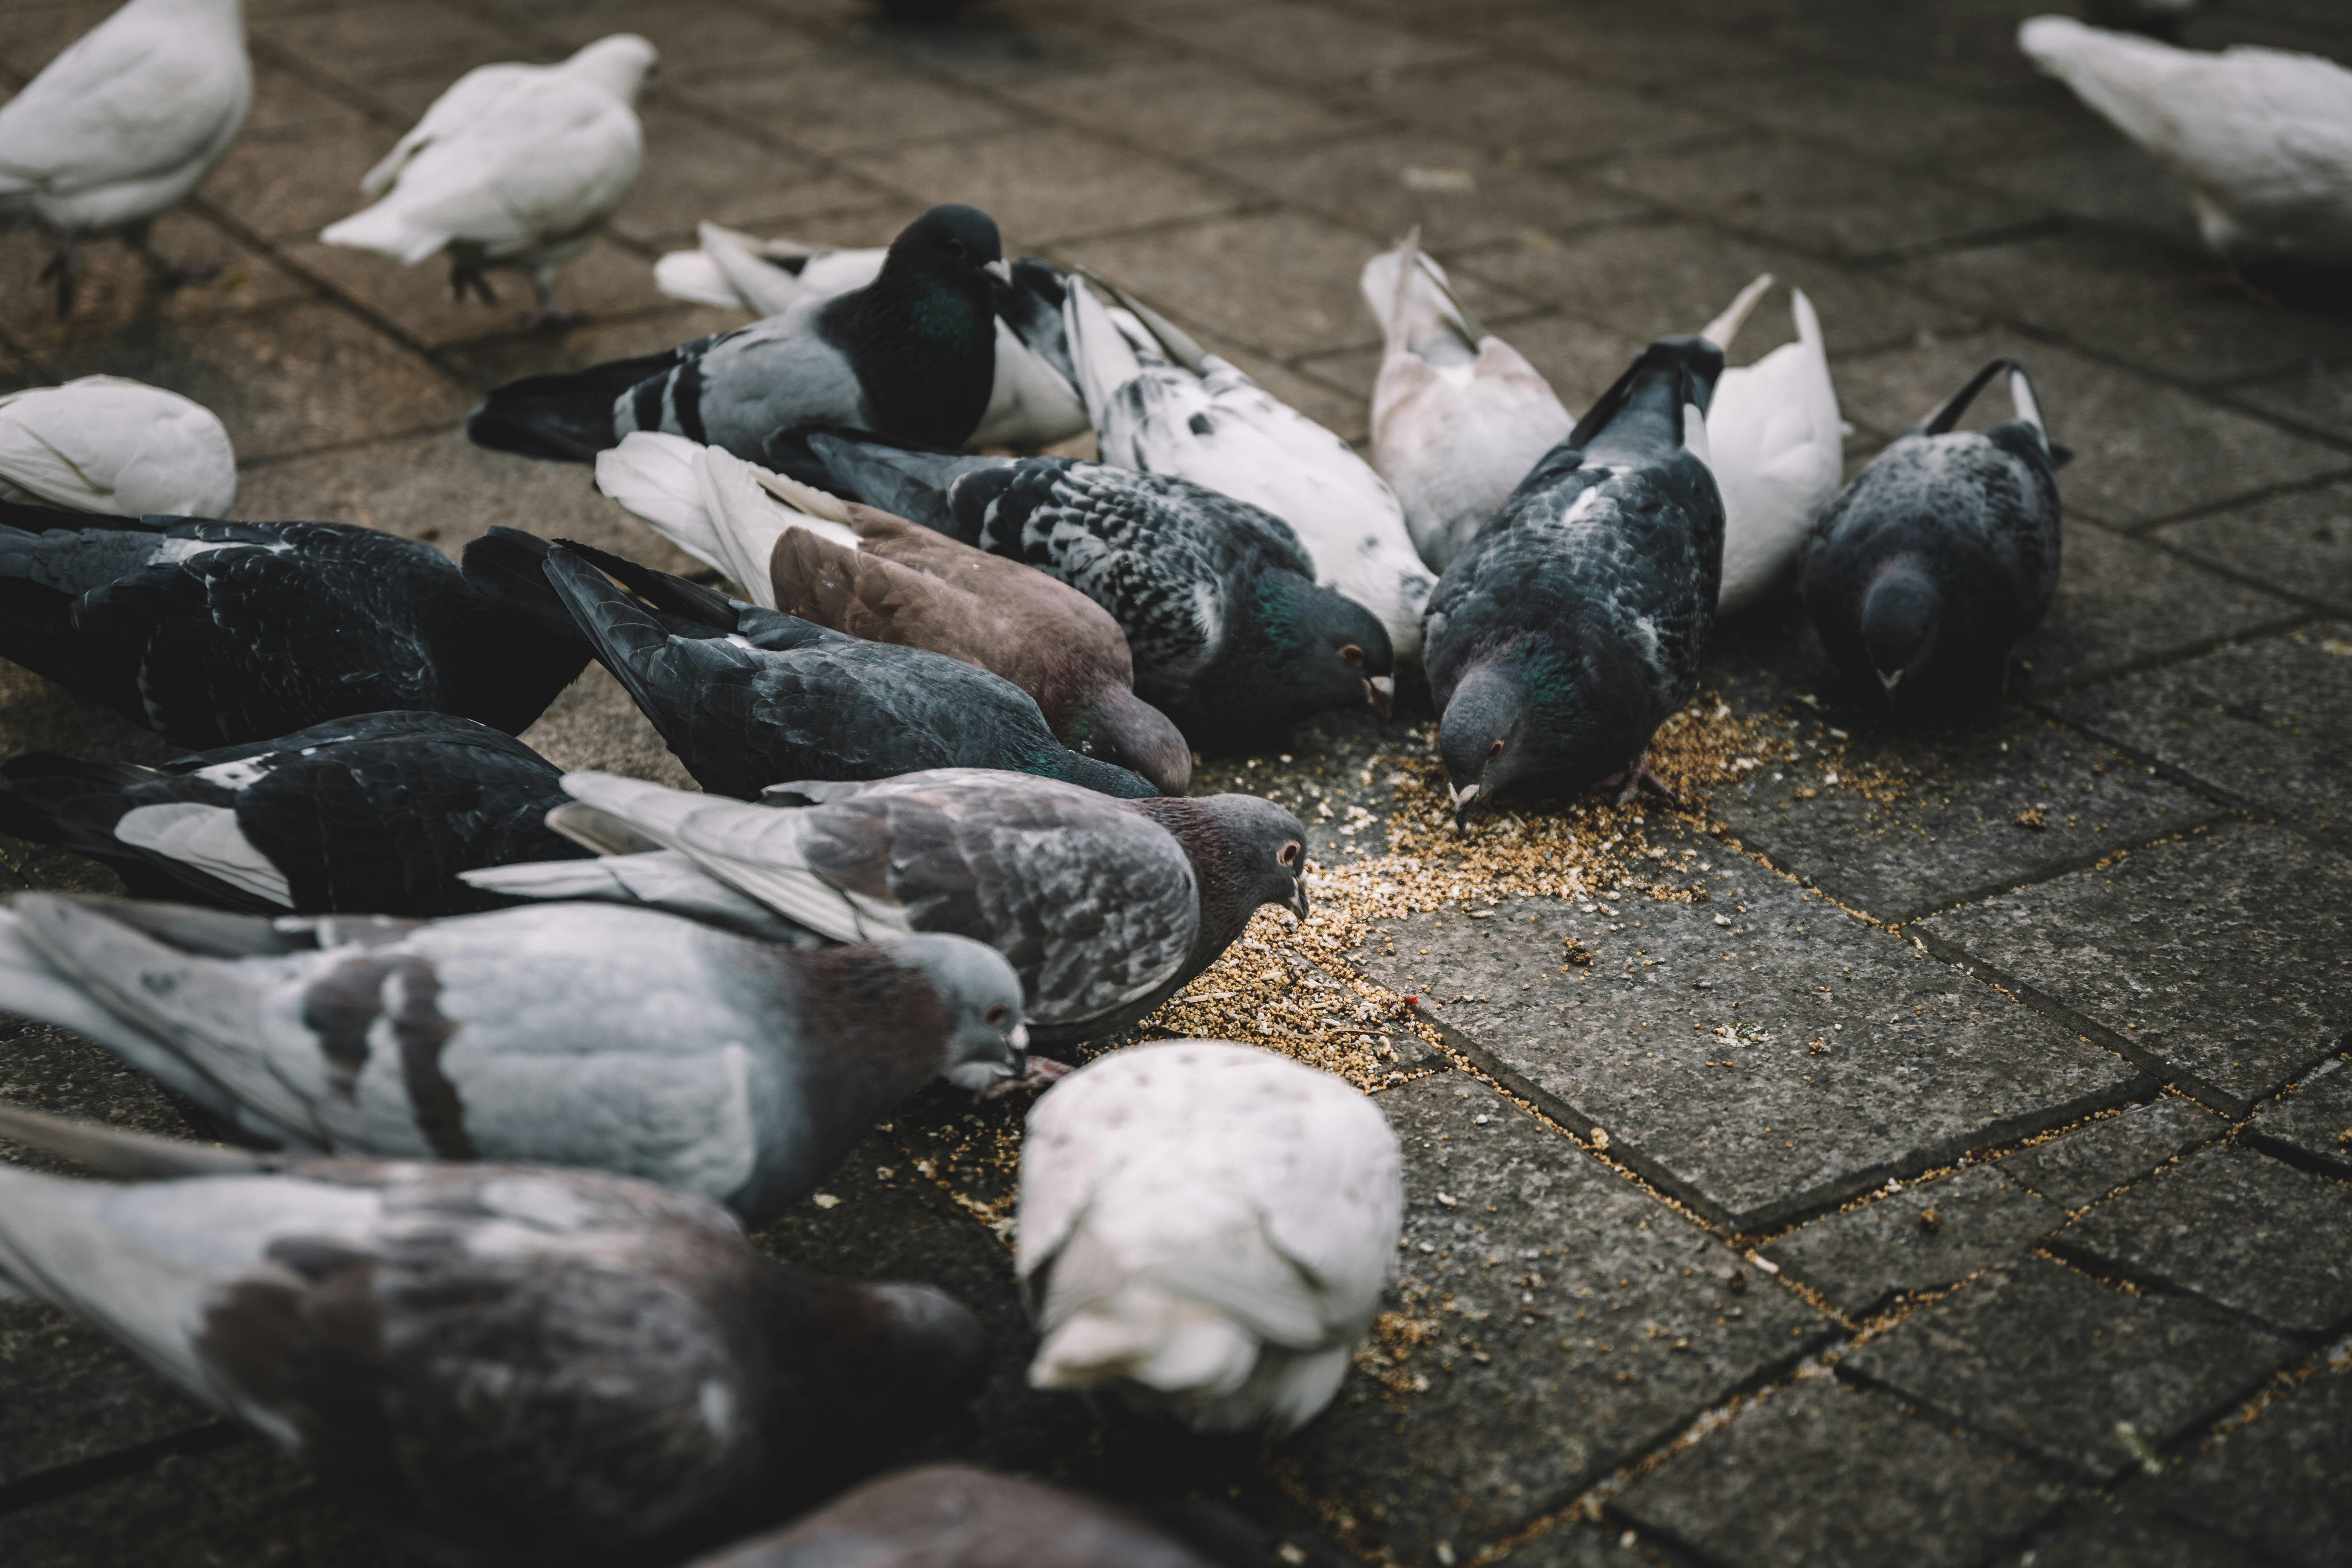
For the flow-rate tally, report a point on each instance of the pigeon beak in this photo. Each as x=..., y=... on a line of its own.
x=1462, y=798
x=1000, y=270
x=1298, y=900
x=1380, y=691
x=1888, y=683
x=1019, y=1039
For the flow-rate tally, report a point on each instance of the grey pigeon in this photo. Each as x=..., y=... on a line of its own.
x=952, y=1516
x=371, y=815
x=619, y=1039
x=1230, y=634
x=1940, y=554
x=912, y=356
x=1105, y=908
x=1571, y=625
x=500, y=1366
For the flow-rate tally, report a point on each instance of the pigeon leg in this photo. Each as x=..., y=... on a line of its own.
x=61, y=270
x=546, y=314
x=163, y=272
x=1639, y=776
x=465, y=275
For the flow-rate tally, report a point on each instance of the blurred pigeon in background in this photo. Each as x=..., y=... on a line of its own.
x=106, y=445
x=1776, y=448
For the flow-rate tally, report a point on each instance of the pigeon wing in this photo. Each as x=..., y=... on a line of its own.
x=130, y=101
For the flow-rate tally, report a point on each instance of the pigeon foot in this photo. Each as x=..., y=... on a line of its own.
x=462, y=278
x=62, y=271
x=1639, y=777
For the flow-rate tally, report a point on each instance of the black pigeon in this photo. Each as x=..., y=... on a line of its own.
x=1106, y=908
x=499, y=1366
x=748, y=697
x=214, y=634
x=622, y=1040
x=370, y=814
x=1940, y=554
x=1231, y=637
x=912, y=354
x=952, y=1516
x=1572, y=624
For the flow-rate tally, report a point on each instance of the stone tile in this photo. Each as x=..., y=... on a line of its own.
x=2100, y=177
x=1859, y=1256
x=2237, y=1228
x=1966, y=47
x=2299, y=543
x=360, y=43
x=592, y=724
x=2319, y=396
x=2313, y=1126
x=68, y=1394
x=33, y=36
x=2100, y=1534
x=1898, y=120
x=1801, y=193
x=293, y=185
x=1298, y=43
x=1456, y=194
x=2086, y=1164
x=117, y=294
x=693, y=40
x=2194, y=956
x=298, y=377
x=1539, y=114
x=2122, y=603
x=710, y=173
x=843, y=104
x=2266, y=724
x=1299, y=296
x=2124, y=299
x=606, y=279
x=2278, y=1480
x=1821, y=1476
x=1915, y=1064
x=1186, y=109
x=2142, y=451
x=485, y=363
x=284, y=102
x=1049, y=184
x=1649, y=280
x=2038, y=1355
x=1667, y=45
x=1571, y=1545
x=1551, y=1322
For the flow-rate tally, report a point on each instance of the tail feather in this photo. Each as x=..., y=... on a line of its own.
x=387, y=231
x=1413, y=300
x=903, y=481
x=662, y=590
x=568, y=417
x=123, y=1155
x=652, y=474
x=1725, y=327
x=1105, y=360
x=1145, y=1335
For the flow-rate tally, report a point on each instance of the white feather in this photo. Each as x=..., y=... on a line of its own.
x=105, y=444
x=208, y=839
x=1204, y=1230
x=725, y=512
x=1775, y=444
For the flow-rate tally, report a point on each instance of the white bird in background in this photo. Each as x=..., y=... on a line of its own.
x=2262, y=138
x=1204, y=1230
x=120, y=126
x=105, y=444
x=515, y=167
x=1034, y=402
x=1458, y=416
x=1162, y=406
x=1777, y=446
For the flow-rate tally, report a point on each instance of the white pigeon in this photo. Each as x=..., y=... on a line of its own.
x=2262, y=138
x=1777, y=446
x=1204, y=1230
x=105, y=444
x=120, y=126
x=515, y=167
x=1162, y=406
x=1032, y=403
x=725, y=512
x=1458, y=416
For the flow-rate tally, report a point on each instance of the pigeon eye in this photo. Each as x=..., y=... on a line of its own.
x=1289, y=854
x=1352, y=654
x=1494, y=751
x=956, y=248
x=994, y=1018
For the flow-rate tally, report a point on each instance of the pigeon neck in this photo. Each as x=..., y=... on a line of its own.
x=923, y=346
x=1227, y=898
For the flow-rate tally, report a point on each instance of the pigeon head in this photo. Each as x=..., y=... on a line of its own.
x=1245, y=852
x=1319, y=649
x=1900, y=616
x=1118, y=727
x=620, y=65
x=955, y=245
x=1519, y=713
x=987, y=1043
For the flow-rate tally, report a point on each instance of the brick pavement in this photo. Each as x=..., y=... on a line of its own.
x=2046, y=1260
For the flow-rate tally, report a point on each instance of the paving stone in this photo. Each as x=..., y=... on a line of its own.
x=2104, y=178
x=1801, y=193
x=116, y=291
x=2054, y=1362
x=1549, y=1322
x=285, y=102
x=2319, y=397
x=607, y=279
x=1651, y=279
x=486, y=361
x=1049, y=184
x=1537, y=114
x=2193, y=956
x=2125, y=299
x=1859, y=1256
x=68, y=1394
x=2313, y=1126
x=1915, y=1064
x=2299, y=543
x=2278, y=1480
x=2266, y=724
x=358, y=43
x=1967, y=46
x=692, y=40
x=2237, y=1228
x=1569, y=1545
x=1899, y=121
x=2084, y=1165
x=1668, y=46
x=1298, y=43
x=2142, y=451
x=33, y=36
x=710, y=172
x=2100, y=1534
x=2123, y=603
x=291, y=185
x=1821, y=1476
x=1455, y=194
x=1188, y=108
x=841, y=104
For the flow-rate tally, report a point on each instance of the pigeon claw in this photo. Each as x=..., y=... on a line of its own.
x=1638, y=777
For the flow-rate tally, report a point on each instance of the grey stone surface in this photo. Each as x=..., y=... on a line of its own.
x=1857, y=1057
x=2080, y=1165
x=2298, y=544
x=2319, y=397
x=245, y=1504
x=2267, y=725
x=68, y=1393
x=2122, y=602
x=2259, y=1236
x=2039, y=1355
x=1927, y=1235
x=1821, y=1476
x=1550, y=1321
x=2104, y=178
x=2099, y=1534
x=1567, y=1545
x=2196, y=956
x=2314, y=1125
x=2277, y=1481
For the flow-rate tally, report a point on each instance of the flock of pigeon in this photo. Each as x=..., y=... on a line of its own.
x=505, y=1062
